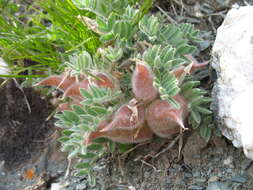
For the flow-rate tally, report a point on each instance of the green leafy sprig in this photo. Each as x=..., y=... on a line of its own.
x=82, y=120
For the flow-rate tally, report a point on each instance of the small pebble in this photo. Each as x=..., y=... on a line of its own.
x=228, y=161
x=188, y=175
x=2, y=173
x=200, y=180
x=81, y=186
x=229, y=170
x=131, y=188
x=195, y=187
x=238, y=179
x=213, y=179
x=218, y=186
x=56, y=186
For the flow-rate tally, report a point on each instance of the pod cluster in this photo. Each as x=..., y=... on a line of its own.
x=135, y=121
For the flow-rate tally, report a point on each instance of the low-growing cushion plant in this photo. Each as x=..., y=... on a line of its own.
x=138, y=83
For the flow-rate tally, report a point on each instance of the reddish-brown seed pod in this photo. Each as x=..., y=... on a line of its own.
x=140, y=134
x=194, y=66
x=163, y=119
x=103, y=81
x=127, y=117
x=142, y=83
x=60, y=81
x=74, y=90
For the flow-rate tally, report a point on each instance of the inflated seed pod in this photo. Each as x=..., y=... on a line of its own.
x=165, y=120
x=136, y=135
x=127, y=117
x=73, y=91
x=142, y=83
x=59, y=81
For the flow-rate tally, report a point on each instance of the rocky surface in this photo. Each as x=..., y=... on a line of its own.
x=216, y=165
x=232, y=60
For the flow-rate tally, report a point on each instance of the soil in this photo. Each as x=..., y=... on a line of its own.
x=23, y=126
x=207, y=164
x=216, y=165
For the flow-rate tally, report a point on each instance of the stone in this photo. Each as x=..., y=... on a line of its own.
x=81, y=186
x=213, y=179
x=61, y=185
x=195, y=187
x=56, y=186
x=229, y=162
x=238, y=179
x=218, y=186
x=232, y=93
x=131, y=188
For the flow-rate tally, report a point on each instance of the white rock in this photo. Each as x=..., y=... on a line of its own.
x=233, y=91
x=4, y=69
x=56, y=186
x=60, y=185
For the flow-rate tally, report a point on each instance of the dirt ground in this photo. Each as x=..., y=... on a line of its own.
x=23, y=124
x=24, y=131
x=30, y=157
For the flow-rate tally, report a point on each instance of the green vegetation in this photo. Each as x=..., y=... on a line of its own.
x=45, y=33
x=87, y=37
